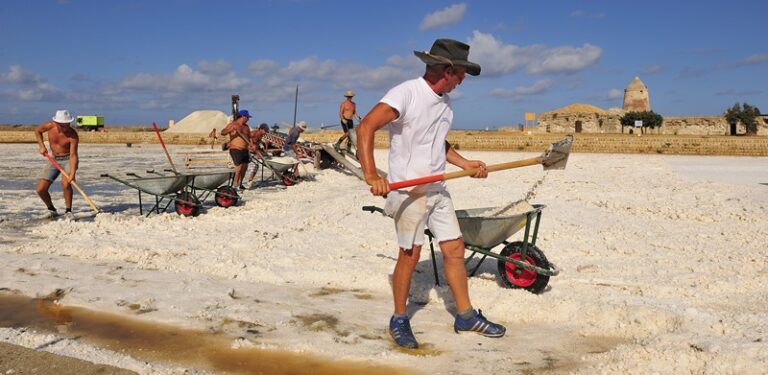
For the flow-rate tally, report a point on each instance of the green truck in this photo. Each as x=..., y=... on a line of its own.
x=90, y=122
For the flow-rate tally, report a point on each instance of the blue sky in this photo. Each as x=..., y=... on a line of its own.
x=137, y=61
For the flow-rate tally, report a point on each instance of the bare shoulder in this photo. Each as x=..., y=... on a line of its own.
x=45, y=126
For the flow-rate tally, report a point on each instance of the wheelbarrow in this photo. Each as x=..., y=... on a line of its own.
x=216, y=183
x=521, y=264
x=204, y=183
x=282, y=168
x=167, y=190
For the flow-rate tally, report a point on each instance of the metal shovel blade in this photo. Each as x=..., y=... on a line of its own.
x=556, y=156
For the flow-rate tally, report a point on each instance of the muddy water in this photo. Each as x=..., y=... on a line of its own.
x=164, y=343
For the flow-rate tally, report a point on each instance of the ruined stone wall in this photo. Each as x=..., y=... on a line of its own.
x=590, y=123
x=610, y=123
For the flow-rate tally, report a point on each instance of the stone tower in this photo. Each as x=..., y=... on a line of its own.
x=636, y=97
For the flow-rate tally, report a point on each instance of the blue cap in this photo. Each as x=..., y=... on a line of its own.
x=244, y=112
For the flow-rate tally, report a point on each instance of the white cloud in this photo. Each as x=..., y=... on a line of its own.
x=652, y=69
x=20, y=76
x=583, y=14
x=755, y=59
x=29, y=85
x=615, y=94
x=566, y=59
x=497, y=58
x=444, y=17
x=263, y=67
x=521, y=92
x=211, y=77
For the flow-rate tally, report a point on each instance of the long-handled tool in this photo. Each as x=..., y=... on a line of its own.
x=66, y=175
x=556, y=157
x=157, y=131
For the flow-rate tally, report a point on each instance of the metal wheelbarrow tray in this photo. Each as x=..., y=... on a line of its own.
x=520, y=264
x=214, y=182
x=281, y=168
x=166, y=190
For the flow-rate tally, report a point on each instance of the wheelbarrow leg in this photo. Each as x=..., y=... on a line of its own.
x=432, y=251
x=474, y=270
x=141, y=210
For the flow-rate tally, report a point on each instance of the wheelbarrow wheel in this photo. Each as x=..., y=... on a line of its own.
x=187, y=204
x=519, y=277
x=226, y=196
x=289, y=179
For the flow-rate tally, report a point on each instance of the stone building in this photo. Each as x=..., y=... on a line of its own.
x=578, y=118
x=587, y=118
x=636, y=98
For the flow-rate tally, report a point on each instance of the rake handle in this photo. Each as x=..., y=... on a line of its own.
x=157, y=131
x=464, y=173
x=66, y=175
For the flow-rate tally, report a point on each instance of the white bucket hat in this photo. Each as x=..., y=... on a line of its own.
x=63, y=117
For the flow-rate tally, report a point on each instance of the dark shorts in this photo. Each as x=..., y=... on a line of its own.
x=347, y=124
x=239, y=156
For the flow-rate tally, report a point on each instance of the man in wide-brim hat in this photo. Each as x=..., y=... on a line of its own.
x=63, y=140
x=419, y=115
x=347, y=113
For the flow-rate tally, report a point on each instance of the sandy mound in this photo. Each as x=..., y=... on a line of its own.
x=201, y=122
x=580, y=108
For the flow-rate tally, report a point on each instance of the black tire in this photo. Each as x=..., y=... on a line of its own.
x=289, y=178
x=523, y=278
x=187, y=204
x=226, y=196
x=326, y=160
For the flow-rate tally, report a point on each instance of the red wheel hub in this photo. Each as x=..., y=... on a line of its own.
x=185, y=206
x=521, y=277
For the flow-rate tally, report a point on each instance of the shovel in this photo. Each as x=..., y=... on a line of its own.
x=66, y=175
x=556, y=157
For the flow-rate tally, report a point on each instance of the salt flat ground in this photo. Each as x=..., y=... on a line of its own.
x=664, y=266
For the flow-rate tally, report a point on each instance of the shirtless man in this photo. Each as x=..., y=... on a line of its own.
x=63, y=140
x=239, y=135
x=256, y=148
x=347, y=112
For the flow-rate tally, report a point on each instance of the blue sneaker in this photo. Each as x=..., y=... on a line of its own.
x=478, y=323
x=400, y=330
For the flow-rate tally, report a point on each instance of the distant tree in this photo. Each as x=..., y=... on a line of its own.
x=746, y=114
x=650, y=119
x=732, y=116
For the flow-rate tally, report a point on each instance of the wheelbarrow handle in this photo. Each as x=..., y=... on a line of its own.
x=373, y=209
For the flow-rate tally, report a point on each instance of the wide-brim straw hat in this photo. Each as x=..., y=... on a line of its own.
x=449, y=52
x=349, y=94
x=63, y=117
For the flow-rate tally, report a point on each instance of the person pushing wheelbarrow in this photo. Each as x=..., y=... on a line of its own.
x=418, y=110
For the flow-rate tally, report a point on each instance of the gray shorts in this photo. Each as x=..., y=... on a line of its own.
x=50, y=173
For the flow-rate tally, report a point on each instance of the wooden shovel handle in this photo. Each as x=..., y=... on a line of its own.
x=464, y=173
x=66, y=175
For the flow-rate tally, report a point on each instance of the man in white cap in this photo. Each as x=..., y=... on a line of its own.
x=347, y=112
x=63, y=141
x=419, y=115
x=289, y=147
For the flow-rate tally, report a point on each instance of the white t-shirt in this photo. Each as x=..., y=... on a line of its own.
x=417, y=136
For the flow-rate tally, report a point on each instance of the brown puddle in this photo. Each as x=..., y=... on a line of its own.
x=165, y=343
